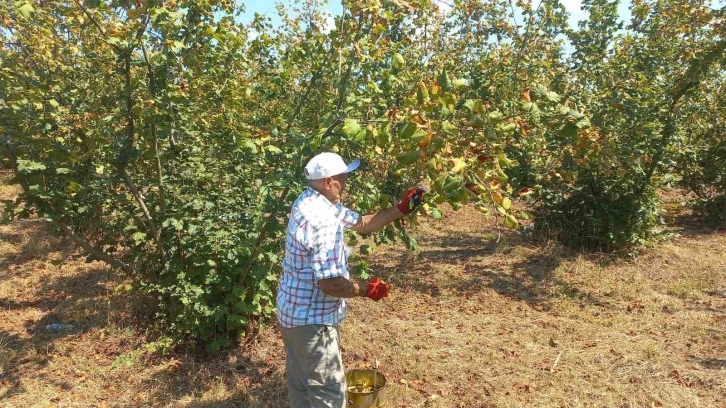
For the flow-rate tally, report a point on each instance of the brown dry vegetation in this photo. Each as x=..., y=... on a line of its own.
x=471, y=323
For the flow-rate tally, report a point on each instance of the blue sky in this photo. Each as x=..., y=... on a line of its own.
x=267, y=7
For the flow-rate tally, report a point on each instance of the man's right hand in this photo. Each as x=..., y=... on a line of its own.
x=412, y=199
x=377, y=290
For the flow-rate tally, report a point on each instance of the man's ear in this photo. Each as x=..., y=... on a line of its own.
x=327, y=182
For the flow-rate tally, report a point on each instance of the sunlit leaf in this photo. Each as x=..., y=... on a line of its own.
x=351, y=127
x=26, y=10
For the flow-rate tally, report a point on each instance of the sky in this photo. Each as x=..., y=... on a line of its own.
x=267, y=7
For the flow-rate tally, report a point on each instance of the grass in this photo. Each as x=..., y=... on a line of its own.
x=7, y=191
x=471, y=322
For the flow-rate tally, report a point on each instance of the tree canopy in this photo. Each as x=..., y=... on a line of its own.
x=167, y=140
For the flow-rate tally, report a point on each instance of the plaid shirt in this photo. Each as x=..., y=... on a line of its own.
x=314, y=249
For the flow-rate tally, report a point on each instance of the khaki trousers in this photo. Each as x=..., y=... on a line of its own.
x=315, y=376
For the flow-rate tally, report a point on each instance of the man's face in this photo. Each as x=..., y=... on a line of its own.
x=336, y=186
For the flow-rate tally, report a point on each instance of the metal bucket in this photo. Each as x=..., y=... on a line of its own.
x=359, y=382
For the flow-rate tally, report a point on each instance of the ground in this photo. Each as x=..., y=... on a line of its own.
x=471, y=322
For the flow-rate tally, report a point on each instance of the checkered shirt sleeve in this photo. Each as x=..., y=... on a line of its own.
x=314, y=249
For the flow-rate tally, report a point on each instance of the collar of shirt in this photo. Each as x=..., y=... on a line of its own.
x=324, y=202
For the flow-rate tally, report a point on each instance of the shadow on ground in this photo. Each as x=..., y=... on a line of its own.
x=35, y=243
x=481, y=261
x=711, y=363
x=256, y=384
x=81, y=296
x=691, y=224
x=75, y=301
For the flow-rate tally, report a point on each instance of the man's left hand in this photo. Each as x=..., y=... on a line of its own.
x=377, y=290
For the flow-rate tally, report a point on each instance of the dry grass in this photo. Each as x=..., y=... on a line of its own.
x=471, y=323
x=7, y=191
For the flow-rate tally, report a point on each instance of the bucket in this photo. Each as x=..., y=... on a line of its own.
x=366, y=388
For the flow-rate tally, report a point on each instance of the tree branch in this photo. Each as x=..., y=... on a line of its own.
x=139, y=200
x=8, y=148
x=692, y=78
x=318, y=73
x=263, y=233
x=154, y=139
x=99, y=254
x=128, y=144
x=349, y=70
x=494, y=203
x=95, y=22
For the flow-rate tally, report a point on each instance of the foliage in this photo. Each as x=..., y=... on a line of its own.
x=123, y=118
x=166, y=138
x=700, y=155
x=635, y=85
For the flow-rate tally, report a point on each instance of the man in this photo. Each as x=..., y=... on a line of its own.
x=315, y=280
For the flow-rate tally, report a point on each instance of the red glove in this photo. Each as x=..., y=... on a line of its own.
x=412, y=199
x=377, y=289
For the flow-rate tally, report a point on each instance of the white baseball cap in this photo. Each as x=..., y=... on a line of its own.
x=328, y=164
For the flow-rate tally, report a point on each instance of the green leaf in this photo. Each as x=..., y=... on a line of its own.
x=26, y=167
x=62, y=170
x=496, y=116
x=568, y=130
x=553, y=96
x=510, y=221
x=361, y=136
x=533, y=110
x=408, y=158
x=235, y=321
x=176, y=46
x=418, y=135
x=250, y=145
x=217, y=345
x=447, y=127
x=506, y=128
x=398, y=61
x=444, y=80
x=177, y=224
x=460, y=83
x=540, y=91
x=72, y=187
x=411, y=243
x=139, y=237
x=470, y=105
x=122, y=287
x=583, y=123
x=452, y=183
x=504, y=161
x=408, y=130
x=351, y=127
x=26, y=10
x=366, y=249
